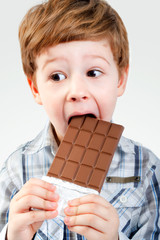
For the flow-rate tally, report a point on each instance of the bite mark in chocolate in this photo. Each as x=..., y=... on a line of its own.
x=86, y=151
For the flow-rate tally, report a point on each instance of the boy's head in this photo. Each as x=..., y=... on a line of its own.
x=75, y=55
x=55, y=22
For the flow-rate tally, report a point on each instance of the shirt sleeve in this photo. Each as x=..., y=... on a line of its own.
x=8, y=188
x=3, y=232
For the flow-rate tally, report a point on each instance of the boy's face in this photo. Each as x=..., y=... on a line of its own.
x=76, y=78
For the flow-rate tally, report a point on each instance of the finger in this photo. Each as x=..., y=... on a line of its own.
x=30, y=201
x=90, y=198
x=41, y=183
x=87, y=232
x=38, y=188
x=36, y=226
x=87, y=220
x=28, y=218
x=91, y=208
x=39, y=192
x=38, y=216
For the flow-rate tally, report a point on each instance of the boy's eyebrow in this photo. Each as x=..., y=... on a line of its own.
x=97, y=56
x=52, y=60
x=63, y=58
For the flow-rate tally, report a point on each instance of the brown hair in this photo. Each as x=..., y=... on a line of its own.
x=59, y=21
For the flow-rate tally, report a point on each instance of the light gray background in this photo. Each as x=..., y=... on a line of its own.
x=138, y=110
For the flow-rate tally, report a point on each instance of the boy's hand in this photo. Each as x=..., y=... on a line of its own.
x=93, y=217
x=34, y=203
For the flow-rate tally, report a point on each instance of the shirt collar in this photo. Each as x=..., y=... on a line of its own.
x=44, y=139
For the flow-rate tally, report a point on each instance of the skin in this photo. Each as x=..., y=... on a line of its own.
x=72, y=78
x=24, y=222
x=93, y=217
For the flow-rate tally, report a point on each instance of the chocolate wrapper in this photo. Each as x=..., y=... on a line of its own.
x=67, y=191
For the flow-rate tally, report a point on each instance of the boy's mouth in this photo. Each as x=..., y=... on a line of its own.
x=88, y=115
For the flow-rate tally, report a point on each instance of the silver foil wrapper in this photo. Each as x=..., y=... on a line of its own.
x=67, y=191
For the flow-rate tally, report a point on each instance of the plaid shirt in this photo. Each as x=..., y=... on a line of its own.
x=132, y=187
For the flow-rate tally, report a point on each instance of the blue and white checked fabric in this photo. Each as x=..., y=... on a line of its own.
x=137, y=203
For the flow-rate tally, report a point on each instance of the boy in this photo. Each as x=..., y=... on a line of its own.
x=75, y=56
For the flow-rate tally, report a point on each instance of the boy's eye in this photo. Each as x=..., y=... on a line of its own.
x=57, y=77
x=94, y=73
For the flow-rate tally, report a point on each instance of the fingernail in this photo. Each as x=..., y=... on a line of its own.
x=56, y=196
x=67, y=220
x=70, y=202
x=53, y=187
x=68, y=210
x=53, y=205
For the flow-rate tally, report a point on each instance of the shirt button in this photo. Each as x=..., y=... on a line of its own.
x=123, y=199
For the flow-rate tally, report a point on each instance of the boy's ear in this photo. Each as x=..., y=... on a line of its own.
x=34, y=91
x=123, y=81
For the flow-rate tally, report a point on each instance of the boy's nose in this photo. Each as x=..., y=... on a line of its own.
x=78, y=98
x=78, y=91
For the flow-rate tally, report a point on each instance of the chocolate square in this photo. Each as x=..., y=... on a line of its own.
x=86, y=151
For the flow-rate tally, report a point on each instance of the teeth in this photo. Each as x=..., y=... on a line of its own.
x=88, y=115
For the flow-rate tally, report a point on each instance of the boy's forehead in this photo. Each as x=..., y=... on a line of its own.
x=85, y=49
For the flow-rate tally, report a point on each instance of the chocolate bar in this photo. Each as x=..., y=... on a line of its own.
x=86, y=151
